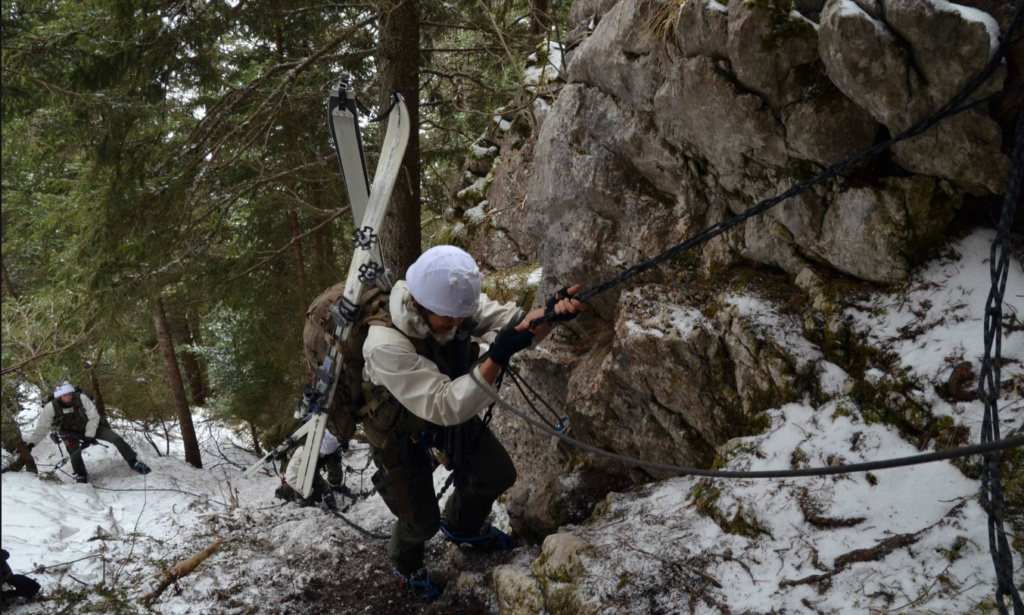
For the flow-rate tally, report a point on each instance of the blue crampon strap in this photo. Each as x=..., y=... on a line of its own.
x=418, y=584
x=492, y=539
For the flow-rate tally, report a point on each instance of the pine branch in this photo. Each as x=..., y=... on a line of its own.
x=285, y=247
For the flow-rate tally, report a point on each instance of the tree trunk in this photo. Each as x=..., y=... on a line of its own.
x=197, y=340
x=8, y=285
x=188, y=431
x=540, y=21
x=328, y=246
x=300, y=268
x=183, y=337
x=97, y=394
x=398, y=65
x=255, y=439
x=12, y=439
x=321, y=258
x=26, y=457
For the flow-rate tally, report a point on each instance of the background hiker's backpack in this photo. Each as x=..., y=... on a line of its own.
x=349, y=398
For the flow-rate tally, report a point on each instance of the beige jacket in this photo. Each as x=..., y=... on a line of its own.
x=45, y=421
x=416, y=382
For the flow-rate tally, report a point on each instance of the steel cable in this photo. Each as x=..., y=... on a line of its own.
x=990, y=382
x=897, y=462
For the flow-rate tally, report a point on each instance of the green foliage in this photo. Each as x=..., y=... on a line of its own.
x=1012, y=474
x=175, y=149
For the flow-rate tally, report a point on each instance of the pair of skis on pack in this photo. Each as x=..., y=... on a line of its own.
x=369, y=205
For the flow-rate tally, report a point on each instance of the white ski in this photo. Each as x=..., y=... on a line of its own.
x=343, y=119
x=281, y=449
x=366, y=270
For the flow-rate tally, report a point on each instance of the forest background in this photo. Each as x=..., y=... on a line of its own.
x=171, y=198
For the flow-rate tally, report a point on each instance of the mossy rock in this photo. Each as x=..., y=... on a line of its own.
x=518, y=593
x=510, y=284
x=743, y=523
x=784, y=26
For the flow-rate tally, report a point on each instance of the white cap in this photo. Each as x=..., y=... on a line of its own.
x=446, y=281
x=64, y=389
x=329, y=444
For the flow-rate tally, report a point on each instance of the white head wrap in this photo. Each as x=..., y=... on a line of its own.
x=446, y=281
x=64, y=389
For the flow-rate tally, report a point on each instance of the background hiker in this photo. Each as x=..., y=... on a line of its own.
x=71, y=412
x=417, y=370
x=21, y=586
x=330, y=460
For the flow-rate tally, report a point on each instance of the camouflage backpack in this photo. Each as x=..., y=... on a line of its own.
x=350, y=403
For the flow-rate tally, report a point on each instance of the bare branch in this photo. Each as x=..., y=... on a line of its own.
x=42, y=355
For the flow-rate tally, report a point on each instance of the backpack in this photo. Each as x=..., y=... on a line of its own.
x=350, y=403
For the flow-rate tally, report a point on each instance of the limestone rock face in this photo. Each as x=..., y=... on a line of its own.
x=772, y=51
x=828, y=128
x=903, y=69
x=748, y=100
x=702, y=29
x=670, y=412
x=585, y=10
x=701, y=109
x=620, y=59
x=678, y=116
x=870, y=232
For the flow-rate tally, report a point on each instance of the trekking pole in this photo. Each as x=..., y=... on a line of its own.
x=82, y=441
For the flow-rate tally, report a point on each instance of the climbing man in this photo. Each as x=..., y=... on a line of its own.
x=74, y=416
x=417, y=372
x=329, y=459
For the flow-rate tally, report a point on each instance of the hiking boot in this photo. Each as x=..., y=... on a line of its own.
x=329, y=502
x=487, y=540
x=140, y=467
x=418, y=584
x=285, y=492
x=81, y=478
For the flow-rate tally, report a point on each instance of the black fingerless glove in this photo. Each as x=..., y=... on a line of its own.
x=549, y=307
x=508, y=344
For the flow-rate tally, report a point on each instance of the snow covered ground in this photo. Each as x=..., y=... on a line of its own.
x=118, y=531
x=904, y=540
x=909, y=540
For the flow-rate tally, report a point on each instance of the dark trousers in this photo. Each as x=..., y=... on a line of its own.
x=107, y=435
x=488, y=472
x=24, y=587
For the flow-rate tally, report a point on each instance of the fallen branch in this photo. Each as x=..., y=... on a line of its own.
x=179, y=570
x=872, y=554
x=39, y=569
